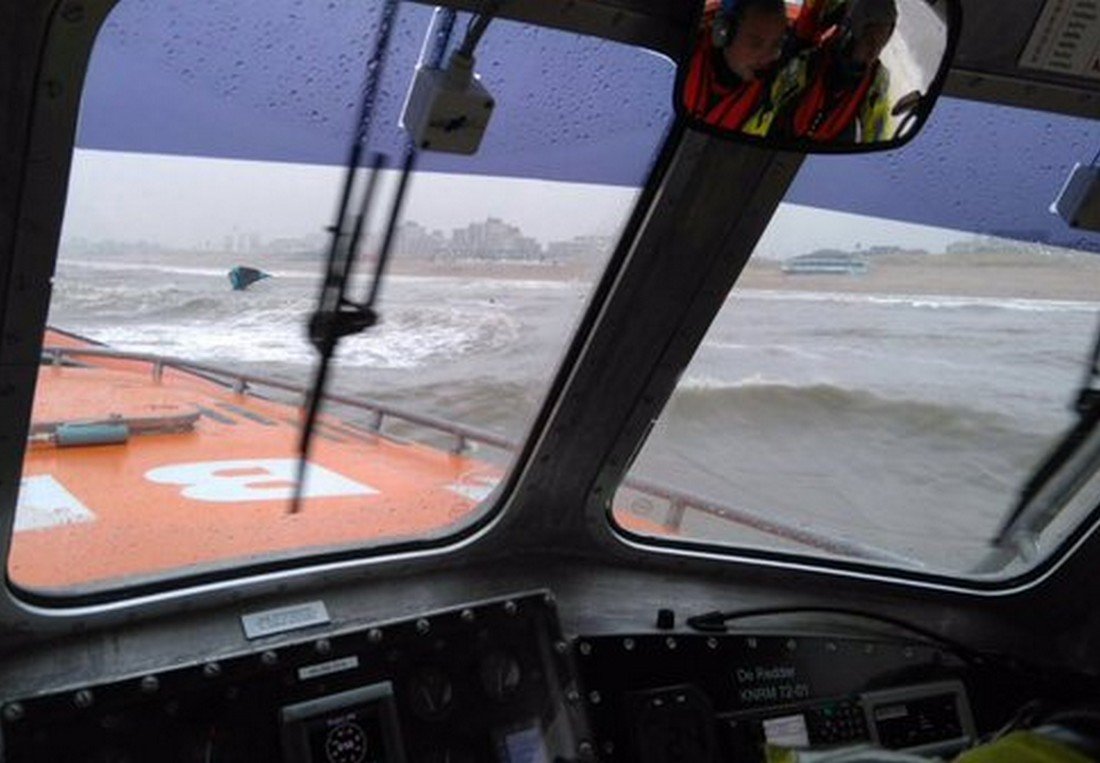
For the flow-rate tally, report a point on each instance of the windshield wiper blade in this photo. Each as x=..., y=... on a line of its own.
x=336, y=315
x=1059, y=476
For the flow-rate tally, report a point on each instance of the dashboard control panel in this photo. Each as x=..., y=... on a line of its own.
x=658, y=698
x=492, y=681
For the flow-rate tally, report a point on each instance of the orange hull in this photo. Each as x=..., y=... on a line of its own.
x=203, y=480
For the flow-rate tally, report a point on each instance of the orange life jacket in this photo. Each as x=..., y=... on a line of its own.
x=713, y=102
x=824, y=116
x=810, y=24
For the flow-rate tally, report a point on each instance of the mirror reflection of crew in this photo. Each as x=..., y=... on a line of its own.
x=838, y=91
x=733, y=64
x=815, y=19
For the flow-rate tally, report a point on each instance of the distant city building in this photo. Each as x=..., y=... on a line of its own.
x=580, y=248
x=314, y=242
x=998, y=244
x=494, y=239
x=417, y=242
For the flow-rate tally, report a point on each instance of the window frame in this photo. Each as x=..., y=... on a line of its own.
x=66, y=46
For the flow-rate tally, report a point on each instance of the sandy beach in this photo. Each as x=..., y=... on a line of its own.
x=1079, y=281
x=1003, y=275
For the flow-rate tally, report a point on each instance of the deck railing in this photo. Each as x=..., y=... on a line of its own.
x=679, y=501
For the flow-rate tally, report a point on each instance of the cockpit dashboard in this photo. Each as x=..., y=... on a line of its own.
x=510, y=678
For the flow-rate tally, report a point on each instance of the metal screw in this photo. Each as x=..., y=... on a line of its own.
x=150, y=684
x=792, y=645
x=628, y=644
x=572, y=695
x=83, y=698
x=712, y=643
x=585, y=748
x=586, y=648
x=211, y=670
x=548, y=599
x=468, y=616
x=374, y=635
x=269, y=658
x=510, y=607
x=561, y=647
x=594, y=697
x=13, y=712
x=423, y=626
x=670, y=642
x=322, y=646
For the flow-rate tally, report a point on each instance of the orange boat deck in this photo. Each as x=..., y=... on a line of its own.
x=205, y=477
x=185, y=473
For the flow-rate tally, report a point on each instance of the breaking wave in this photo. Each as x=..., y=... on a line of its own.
x=771, y=402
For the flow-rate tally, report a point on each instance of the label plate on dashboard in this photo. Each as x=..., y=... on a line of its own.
x=273, y=621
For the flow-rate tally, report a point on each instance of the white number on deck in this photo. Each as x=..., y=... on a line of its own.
x=260, y=479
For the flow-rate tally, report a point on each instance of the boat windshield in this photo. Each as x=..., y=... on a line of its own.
x=903, y=350
x=207, y=170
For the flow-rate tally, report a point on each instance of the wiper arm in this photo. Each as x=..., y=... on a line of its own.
x=336, y=315
x=1060, y=475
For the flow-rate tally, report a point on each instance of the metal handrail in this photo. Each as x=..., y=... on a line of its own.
x=241, y=383
x=680, y=501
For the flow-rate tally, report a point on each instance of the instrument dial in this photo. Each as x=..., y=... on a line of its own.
x=347, y=743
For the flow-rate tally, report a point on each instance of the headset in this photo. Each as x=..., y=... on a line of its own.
x=724, y=28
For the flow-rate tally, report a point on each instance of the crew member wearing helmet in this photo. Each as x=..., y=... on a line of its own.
x=838, y=91
x=733, y=64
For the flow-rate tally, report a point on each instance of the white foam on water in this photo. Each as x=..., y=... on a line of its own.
x=924, y=301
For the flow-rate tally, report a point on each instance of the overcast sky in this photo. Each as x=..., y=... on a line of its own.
x=188, y=202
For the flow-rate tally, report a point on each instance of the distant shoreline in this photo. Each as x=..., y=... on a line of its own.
x=1079, y=281
x=1006, y=275
x=514, y=271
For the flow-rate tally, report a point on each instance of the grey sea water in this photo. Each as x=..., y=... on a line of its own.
x=906, y=422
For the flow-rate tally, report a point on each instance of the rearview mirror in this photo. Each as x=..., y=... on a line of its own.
x=817, y=76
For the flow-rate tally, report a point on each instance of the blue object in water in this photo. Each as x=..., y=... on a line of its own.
x=241, y=277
